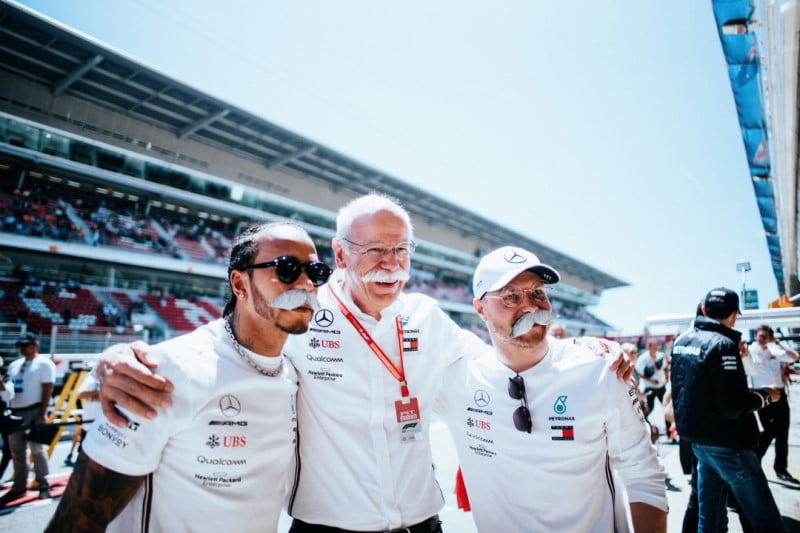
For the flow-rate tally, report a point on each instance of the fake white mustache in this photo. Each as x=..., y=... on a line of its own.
x=384, y=276
x=524, y=323
x=294, y=298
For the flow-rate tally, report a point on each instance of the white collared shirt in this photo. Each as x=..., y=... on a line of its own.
x=558, y=477
x=354, y=471
x=767, y=365
x=218, y=459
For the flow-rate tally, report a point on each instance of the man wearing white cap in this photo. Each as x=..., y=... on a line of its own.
x=544, y=431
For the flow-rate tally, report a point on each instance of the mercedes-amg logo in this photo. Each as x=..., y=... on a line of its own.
x=481, y=398
x=512, y=256
x=229, y=405
x=324, y=318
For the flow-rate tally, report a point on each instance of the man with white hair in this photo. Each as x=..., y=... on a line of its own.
x=544, y=431
x=368, y=379
x=369, y=371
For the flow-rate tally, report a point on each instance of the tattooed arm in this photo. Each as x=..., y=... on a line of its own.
x=94, y=496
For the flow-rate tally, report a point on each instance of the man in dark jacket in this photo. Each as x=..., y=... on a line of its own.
x=714, y=410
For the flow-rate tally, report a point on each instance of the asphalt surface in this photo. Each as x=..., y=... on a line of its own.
x=33, y=517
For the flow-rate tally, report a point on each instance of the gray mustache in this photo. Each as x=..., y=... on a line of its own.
x=524, y=323
x=294, y=298
x=382, y=276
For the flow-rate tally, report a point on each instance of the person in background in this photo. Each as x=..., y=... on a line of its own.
x=768, y=356
x=714, y=411
x=89, y=395
x=652, y=367
x=6, y=393
x=33, y=377
x=558, y=331
x=630, y=350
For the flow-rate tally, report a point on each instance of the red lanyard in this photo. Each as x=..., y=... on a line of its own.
x=399, y=375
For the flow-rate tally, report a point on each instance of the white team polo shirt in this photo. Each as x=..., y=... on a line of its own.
x=354, y=472
x=29, y=376
x=659, y=374
x=219, y=459
x=558, y=477
x=766, y=369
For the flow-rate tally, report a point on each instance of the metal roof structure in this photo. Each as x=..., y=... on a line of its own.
x=38, y=48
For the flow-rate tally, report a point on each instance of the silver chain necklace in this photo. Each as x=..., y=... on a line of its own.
x=248, y=360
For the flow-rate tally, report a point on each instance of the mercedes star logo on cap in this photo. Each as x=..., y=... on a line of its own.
x=513, y=257
x=324, y=318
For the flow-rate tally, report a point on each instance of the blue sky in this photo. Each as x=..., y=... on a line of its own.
x=606, y=130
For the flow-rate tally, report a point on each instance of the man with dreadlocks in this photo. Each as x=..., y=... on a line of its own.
x=234, y=394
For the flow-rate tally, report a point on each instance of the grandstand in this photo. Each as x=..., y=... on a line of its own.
x=122, y=189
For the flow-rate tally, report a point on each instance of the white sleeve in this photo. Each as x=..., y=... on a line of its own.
x=456, y=342
x=47, y=372
x=749, y=365
x=640, y=365
x=136, y=449
x=632, y=454
x=451, y=379
x=7, y=393
x=751, y=350
x=779, y=353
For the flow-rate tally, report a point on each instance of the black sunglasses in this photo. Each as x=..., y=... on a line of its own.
x=522, y=415
x=289, y=268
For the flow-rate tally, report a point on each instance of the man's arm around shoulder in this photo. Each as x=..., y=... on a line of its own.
x=127, y=378
x=94, y=496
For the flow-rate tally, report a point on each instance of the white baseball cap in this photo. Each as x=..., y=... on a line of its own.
x=497, y=268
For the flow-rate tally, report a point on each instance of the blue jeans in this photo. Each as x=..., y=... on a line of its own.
x=741, y=471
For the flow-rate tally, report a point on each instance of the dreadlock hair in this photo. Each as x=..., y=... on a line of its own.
x=243, y=251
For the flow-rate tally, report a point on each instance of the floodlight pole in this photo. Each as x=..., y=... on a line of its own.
x=744, y=268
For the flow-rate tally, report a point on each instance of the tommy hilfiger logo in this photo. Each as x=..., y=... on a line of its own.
x=410, y=344
x=562, y=433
